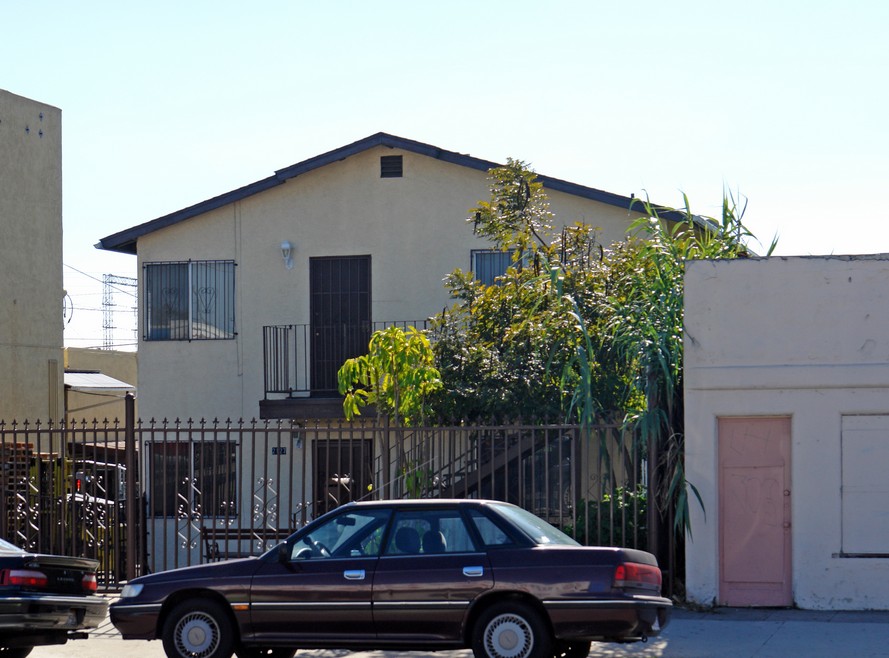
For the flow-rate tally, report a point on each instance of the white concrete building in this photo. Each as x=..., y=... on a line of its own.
x=787, y=431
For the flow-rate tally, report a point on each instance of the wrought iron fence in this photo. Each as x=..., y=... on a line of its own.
x=194, y=492
x=63, y=490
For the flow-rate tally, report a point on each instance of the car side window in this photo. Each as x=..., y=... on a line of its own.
x=429, y=532
x=491, y=533
x=352, y=534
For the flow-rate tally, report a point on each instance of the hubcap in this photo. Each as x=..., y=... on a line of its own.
x=508, y=636
x=196, y=636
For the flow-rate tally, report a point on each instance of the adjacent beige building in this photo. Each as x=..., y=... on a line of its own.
x=96, y=382
x=787, y=431
x=31, y=289
x=250, y=301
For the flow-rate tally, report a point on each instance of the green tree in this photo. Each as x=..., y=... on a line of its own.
x=397, y=376
x=512, y=349
x=580, y=330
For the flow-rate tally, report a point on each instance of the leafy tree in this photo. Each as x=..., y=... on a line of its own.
x=397, y=376
x=579, y=330
x=511, y=349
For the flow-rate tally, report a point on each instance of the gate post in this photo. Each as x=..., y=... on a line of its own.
x=132, y=467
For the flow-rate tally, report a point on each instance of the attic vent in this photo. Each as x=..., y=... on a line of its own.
x=391, y=166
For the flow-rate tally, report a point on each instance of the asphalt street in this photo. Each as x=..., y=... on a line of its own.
x=722, y=633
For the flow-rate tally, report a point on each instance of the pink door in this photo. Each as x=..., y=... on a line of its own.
x=754, y=512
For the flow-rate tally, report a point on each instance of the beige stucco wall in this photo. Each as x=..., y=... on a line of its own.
x=30, y=259
x=804, y=337
x=89, y=406
x=413, y=228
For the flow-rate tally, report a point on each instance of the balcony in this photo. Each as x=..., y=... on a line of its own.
x=301, y=361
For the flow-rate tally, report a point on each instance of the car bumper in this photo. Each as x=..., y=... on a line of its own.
x=619, y=620
x=136, y=621
x=42, y=620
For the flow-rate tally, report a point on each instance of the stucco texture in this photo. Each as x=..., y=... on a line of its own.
x=413, y=228
x=804, y=338
x=30, y=259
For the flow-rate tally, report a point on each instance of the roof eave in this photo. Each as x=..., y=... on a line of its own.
x=125, y=242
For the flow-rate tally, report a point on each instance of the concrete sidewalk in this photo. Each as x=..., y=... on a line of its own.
x=720, y=633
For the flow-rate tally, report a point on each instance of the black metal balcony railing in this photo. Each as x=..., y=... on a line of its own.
x=302, y=360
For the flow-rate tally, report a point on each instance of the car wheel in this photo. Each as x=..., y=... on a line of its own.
x=511, y=630
x=15, y=652
x=572, y=649
x=198, y=628
x=254, y=652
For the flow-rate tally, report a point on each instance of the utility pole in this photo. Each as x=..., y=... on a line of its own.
x=111, y=281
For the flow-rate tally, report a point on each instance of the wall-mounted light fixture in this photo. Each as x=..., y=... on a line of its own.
x=287, y=253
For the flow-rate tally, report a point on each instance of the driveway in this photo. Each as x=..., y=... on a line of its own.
x=723, y=633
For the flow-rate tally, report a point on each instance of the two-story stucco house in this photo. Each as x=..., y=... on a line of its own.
x=251, y=301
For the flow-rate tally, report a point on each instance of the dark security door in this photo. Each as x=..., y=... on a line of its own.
x=340, y=314
x=343, y=472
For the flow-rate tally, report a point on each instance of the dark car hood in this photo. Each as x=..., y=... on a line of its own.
x=239, y=567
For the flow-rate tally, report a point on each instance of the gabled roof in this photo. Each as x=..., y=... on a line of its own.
x=125, y=241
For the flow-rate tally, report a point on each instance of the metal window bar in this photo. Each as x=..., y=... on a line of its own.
x=189, y=300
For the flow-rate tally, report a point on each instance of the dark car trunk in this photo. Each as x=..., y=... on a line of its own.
x=64, y=574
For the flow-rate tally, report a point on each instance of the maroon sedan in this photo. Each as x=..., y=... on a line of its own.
x=405, y=574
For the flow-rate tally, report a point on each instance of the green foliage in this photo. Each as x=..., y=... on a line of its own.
x=513, y=348
x=579, y=331
x=518, y=214
x=618, y=519
x=417, y=480
x=645, y=327
x=397, y=375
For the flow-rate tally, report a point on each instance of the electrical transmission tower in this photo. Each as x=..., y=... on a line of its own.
x=113, y=282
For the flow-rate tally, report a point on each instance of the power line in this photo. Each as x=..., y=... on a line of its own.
x=90, y=276
x=111, y=286
x=110, y=282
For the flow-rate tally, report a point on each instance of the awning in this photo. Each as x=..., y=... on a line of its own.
x=96, y=382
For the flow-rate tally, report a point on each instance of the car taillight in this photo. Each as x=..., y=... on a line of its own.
x=23, y=578
x=90, y=582
x=631, y=574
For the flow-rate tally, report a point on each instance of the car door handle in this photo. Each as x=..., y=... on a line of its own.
x=473, y=572
x=354, y=574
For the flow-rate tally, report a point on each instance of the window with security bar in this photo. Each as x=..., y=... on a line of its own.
x=189, y=300
x=193, y=479
x=488, y=264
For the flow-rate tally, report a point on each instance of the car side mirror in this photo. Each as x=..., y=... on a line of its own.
x=284, y=555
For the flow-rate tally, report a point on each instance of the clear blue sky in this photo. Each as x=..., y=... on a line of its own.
x=168, y=103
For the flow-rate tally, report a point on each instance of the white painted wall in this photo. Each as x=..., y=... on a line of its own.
x=806, y=337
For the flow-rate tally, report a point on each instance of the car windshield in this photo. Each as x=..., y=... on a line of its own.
x=536, y=528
